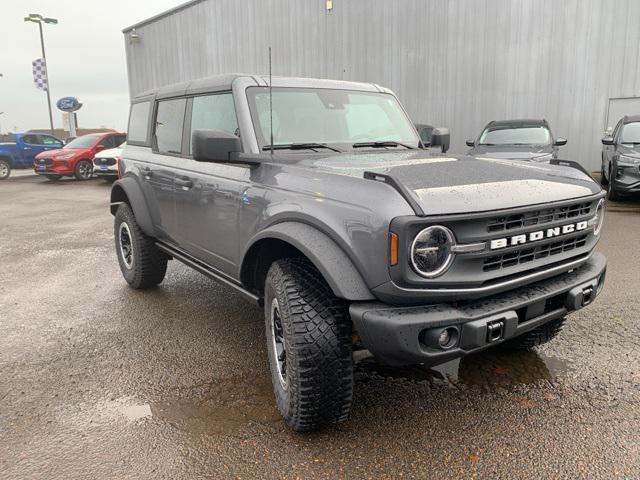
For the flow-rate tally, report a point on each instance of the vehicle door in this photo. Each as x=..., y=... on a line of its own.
x=610, y=150
x=208, y=195
x=157, y=168
x=31, y=146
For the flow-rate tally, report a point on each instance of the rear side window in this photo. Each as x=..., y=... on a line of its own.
x=169, y=123
x=214, y=112
x=139, y=121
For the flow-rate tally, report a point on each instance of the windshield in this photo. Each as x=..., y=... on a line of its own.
x=334, y=117
x=512, y=135
x=85, y=141
x=630, y=133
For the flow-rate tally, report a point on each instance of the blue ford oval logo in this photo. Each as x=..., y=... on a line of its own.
x=68, y=104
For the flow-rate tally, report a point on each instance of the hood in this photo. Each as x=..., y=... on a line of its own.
x=513, y=152
x=59, y=152
x=461, y=184
x=109, y=153
x=629, y=150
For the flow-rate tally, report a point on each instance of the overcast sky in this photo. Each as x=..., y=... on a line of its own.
x=85, y=56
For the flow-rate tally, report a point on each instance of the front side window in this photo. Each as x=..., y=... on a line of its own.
x=515, y=135
x=108, y=142
x=630, y=133
x=47, y=140
x=327, y=116
x=214, y=112
x=139, y=121
x=169, y=122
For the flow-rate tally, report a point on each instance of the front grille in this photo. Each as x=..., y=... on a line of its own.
x=104, y=161
x=530, y=254
x=45, y=161
x=538, y=217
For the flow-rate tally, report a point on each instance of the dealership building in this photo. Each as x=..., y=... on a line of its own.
x=453, y=63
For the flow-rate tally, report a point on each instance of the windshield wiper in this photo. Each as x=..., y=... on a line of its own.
x=380, y=144
x=630, y=143
x=488, y=144
x=299, y=146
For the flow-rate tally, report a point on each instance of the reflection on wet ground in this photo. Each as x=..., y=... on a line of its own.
x=227, y=405
x=491, y=369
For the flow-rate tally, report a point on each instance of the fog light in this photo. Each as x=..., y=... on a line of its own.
x=440, y=338
x=445, y=338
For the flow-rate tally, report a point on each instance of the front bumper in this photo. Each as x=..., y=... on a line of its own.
x=404, y=335
x=627, y=179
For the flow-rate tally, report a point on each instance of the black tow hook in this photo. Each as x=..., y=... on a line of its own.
x=495, y=331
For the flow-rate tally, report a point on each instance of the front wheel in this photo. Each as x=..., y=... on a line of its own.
x=142, y=264
x=83, y=170
x=5, y=169
x=612, y=194
x=308, y=334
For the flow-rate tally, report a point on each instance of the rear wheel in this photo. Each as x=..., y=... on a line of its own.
x=83, y=170
x=5, y=169
x=142, y=264
x=535, y=337
x=308, y=334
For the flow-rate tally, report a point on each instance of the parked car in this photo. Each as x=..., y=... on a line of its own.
x=105, y=163
x=517, y=140
x=620, y=171
x=22, y=151
x=350, y=235
x=75, y=158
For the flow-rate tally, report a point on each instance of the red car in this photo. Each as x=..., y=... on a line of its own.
x=75, y=159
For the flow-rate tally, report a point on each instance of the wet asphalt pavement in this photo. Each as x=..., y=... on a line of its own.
x=99, y=381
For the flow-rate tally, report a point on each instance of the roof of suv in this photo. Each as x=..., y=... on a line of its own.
x=517, y=121
x=224, y=82
x=631, y=118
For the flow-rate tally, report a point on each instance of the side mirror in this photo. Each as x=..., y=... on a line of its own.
x=560, y=142
x=441, y=137
x=214, y=146
x=471, y=143
x=607, y=141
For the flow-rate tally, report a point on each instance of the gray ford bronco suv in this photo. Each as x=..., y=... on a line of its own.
x=317, y=200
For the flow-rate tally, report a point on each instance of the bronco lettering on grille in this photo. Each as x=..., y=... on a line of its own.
x=537, y=235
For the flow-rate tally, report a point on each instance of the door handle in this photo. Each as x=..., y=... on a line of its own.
x=27, y=148
x=184, y=183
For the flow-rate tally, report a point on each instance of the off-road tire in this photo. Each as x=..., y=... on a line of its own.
x=53, y=177
x=148, y=265
x=535, y=337
x=79, y=171
x=5, y=169
x=316, y=333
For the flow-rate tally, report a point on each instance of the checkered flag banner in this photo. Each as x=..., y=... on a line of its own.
x=40, y=74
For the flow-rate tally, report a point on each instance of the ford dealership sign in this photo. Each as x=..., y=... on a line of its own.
x=68, y=104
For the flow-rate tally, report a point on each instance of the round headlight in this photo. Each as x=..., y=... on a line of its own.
x=599, y=218
x=430, y=253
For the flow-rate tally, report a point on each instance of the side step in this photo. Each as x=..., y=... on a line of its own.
x=207, y=270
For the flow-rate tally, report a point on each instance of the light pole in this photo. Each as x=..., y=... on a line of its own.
x=39, y=19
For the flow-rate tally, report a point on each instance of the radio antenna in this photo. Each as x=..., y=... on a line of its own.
x=270, y=105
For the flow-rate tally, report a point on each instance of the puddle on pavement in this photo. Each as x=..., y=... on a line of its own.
x=224, y=407
x=484, y=369
x=126, y=408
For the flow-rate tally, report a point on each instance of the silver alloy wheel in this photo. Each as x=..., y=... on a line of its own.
x=85, y=170
x=126, y=245
x=277, y=342
x=4, y=170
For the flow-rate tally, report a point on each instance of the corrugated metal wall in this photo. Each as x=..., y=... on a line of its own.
x=455, y=63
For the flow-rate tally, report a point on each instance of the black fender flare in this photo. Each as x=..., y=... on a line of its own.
x=128, y=190
x=333, y=263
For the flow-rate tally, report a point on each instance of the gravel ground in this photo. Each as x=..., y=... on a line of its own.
x=100, y=381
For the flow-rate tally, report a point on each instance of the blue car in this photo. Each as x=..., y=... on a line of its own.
x=22, y=151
